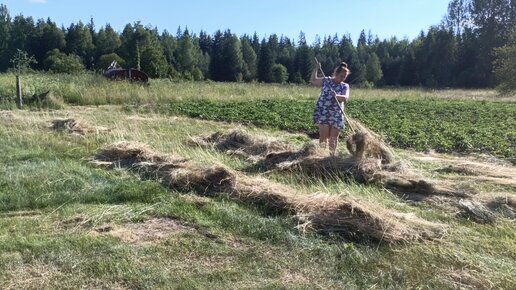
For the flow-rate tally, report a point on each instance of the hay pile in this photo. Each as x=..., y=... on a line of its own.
x=363, y=143
x=372, y=161
x=172, y=171
x=74, y=126
x=238, y=142
x=355, y=219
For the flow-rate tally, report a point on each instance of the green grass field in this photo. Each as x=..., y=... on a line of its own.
x=66, y=224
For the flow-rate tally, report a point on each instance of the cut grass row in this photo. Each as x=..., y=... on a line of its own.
x=446, y=126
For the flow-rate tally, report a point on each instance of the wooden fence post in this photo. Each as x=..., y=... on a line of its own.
x=19, y=91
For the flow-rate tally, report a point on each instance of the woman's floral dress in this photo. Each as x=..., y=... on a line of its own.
x=327, y=110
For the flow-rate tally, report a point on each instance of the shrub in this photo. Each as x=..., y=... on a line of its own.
x=106, y=60
x=279, y=73
x=58, y=62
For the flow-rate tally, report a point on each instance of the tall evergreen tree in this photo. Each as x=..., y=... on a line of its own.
x=249, y=57
x=79, y=41
x=5, y=33
x=108, y=40
x=304, y=60
x=232, y=58
x=47, y=37
x=505, y=65
x=373, y=71
x=265, y=63
x=5, y=37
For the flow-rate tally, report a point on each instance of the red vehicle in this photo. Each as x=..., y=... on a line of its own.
x=115, y=72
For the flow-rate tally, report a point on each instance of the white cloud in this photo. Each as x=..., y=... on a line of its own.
x=39, y=1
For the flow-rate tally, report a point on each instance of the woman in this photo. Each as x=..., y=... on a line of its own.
x=334, y=94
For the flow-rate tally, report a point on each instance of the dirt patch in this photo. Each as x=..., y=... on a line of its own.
x=74, y=126
x=352, y=218
x=7, y=116
x=33, y=276
x=148, y=232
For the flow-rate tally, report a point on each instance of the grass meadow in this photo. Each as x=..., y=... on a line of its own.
x=66, y=224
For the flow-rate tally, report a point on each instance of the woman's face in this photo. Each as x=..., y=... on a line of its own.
x=342, y=76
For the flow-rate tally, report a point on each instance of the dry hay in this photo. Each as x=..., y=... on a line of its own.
x=480, y=169
x=467, y=279
x=363, y=143
x=239, y=142
x=476, y=211
x=395, y=176
x=150, y=231
x=363, y=220
x=502, y=205
x=74, y=126
x=173, y=171
x=371, y=162
x=322, y=212
x=480, y=172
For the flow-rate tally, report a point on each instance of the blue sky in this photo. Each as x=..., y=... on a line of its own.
x=401, y=18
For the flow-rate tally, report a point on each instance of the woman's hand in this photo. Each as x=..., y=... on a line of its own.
x=340, y=98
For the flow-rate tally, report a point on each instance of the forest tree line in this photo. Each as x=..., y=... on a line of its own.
x=472, y=43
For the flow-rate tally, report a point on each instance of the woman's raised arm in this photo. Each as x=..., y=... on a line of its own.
x=314, y=80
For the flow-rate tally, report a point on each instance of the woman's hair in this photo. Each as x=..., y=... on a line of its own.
x=342, y=67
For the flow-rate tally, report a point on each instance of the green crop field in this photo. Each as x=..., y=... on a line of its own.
x=68, y=224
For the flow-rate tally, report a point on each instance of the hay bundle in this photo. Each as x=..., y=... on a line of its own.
x=240, y=143
x=361, y=220
x=364, y=143
x=322, y=212
x=204, y=180
x=127, y=154
x=352, y=218
x=172, y=171
x=71, y=126
x=275, y=197
x=74, y=126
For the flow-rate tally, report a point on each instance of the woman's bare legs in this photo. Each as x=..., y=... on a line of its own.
x=334, y=139
x=324, y=135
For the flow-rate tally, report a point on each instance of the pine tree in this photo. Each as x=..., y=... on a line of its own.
x=304, y=60
x=47, y=37
x=249, y=58
x=5, y=34
x=362, y=39
x=169, y=44
x=232, y=58
x=216, y=63
x=373, y=71
x=265, y=63
x=21, y=36
x=79, y=41
x=505, y=66
x=108, y=40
